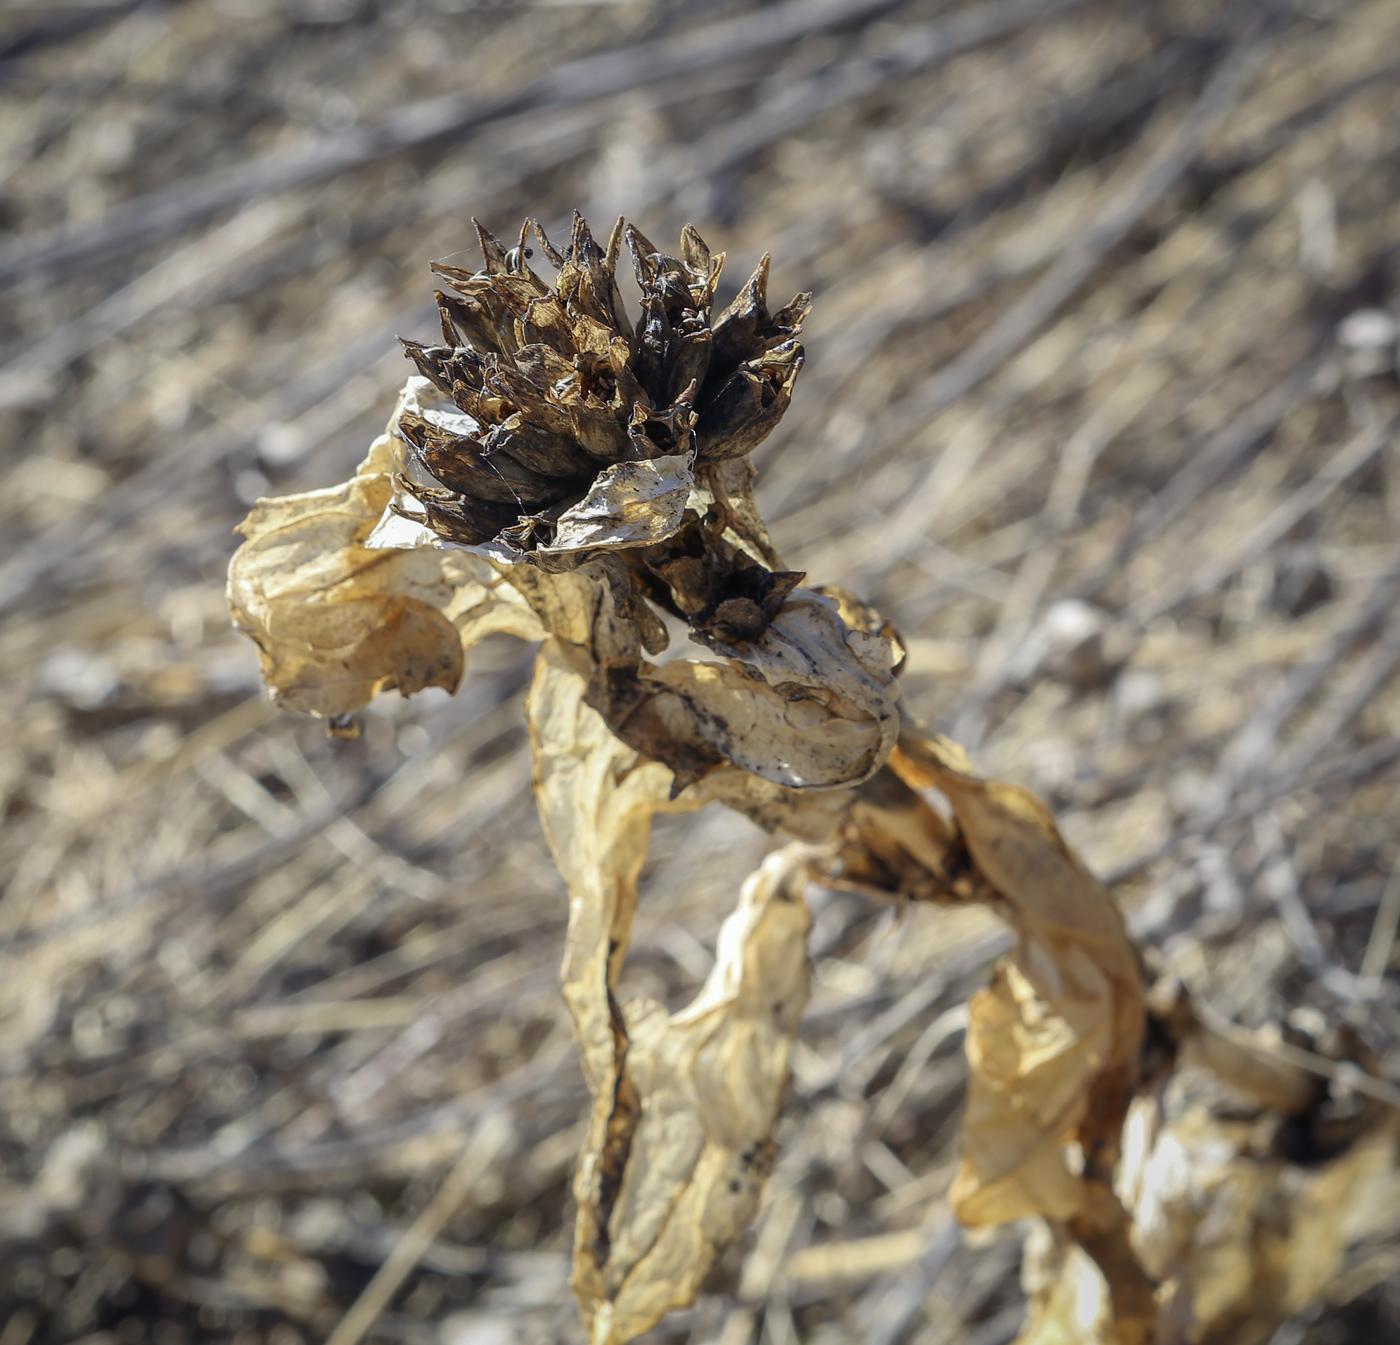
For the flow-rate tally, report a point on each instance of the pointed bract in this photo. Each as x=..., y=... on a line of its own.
x=561, y=383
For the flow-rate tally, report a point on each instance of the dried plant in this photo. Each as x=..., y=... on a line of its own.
x=560, y=473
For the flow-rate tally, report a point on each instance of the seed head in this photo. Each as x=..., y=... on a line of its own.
x=555, y=385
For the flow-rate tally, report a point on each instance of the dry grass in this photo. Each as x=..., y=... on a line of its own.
x=1078, y=413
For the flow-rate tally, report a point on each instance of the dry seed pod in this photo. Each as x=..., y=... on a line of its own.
x=573, y=414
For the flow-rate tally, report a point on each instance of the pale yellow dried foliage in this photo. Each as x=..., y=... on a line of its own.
x=1053, y=1042
x=631, y=504
x=679, y=1142
x=335, y=621
x=810, y=703
x=1238, y=1240
x=1063, y=1018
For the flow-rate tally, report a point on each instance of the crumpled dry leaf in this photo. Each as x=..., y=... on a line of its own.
x=630, y=504
x=337, y=620
x=811, y=703
x=1054, y=1040
x=1053, y=1043
x=679, y=1142
x=1203, y=1232
x=1068, y=1302
x=708, y=1086
x=1241, y=1240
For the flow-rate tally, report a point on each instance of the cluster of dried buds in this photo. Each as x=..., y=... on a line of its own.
x=560, y=473
x=555, y=388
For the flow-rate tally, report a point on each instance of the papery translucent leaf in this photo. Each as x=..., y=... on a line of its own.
x=1068, y=1298
x=630, y=504
x=812, y=703
x=809, y=704
x=1053, y=1043
x=708, y=1084
x=337, y=620
x=679, y=1140
x=1250, y=1238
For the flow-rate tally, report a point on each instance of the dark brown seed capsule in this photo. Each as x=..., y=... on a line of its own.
x=560, y=382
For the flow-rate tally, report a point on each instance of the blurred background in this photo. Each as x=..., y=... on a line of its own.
x=1100, y=407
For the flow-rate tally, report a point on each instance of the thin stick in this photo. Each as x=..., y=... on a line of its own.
x=1254, y=741
x=1355, y=692
x=1353, y=767
x=921, y=47
x=1342, y=1072
x=482, y=1150
x=1382, y=940
x=176, y=208
x=1347, y=461
x=1280, y=884
x=1020, y=324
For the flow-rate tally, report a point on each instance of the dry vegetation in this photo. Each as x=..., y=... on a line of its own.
x=1099, y=405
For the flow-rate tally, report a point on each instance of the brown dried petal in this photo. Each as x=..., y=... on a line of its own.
x=597, y=431
x=546, y=323
x=747, y=407
x=746, y=329
x=652, y=346
x=457, y=518
x=543, y=366
x=493, y=251
x=688, y=359
x=464, y=466
x=429, y=362
x=544, y=443
x=655, y=434
x=480, y=321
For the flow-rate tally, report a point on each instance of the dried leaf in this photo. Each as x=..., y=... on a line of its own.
x=679, y=1142
x=708, y=1083
x=1068, y=1298
x=729, y=484
x=630, y=504
x=337, y=618
x=810, y=704
x=1240, y=1239
x=1053, y=1043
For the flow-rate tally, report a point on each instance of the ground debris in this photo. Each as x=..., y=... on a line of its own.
x=264, y=991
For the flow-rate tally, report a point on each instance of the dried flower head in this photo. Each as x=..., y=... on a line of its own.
x=562, y=407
